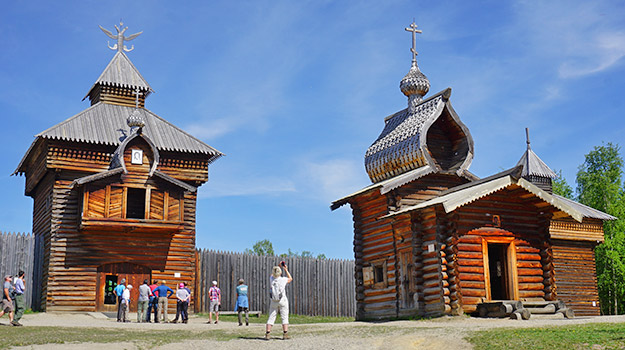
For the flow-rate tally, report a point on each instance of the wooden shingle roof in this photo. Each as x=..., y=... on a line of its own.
x=121, y=72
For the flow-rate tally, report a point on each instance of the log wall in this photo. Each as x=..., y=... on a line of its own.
x=576, y=277
x=521, y=222
x=71, y=257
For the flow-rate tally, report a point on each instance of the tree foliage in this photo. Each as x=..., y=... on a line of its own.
x=265, y=247
x=600, y=185
x=561, y=187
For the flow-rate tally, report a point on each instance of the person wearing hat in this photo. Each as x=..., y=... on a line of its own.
x=7, y=300
x=214, y=293
x=242, y=304
x=126, y=303
x=118, y=290
x=182, y=304
x=162, y=292
x=279, y=302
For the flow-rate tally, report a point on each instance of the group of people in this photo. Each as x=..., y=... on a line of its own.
x=13, y=298
x=279, y=301
x=153, y=300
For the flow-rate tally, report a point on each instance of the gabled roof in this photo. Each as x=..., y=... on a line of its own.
x=121, y=72
x=462, y=195
x=402, y=145
x=534, y=166
x=395, y=182
x=106, y=124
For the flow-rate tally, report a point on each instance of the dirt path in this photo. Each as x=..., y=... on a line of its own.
x=445, y=332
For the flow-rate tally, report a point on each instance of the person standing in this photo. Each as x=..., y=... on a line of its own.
x=182, y=303
x=7, y=299
x=214, y=294
x=144, y=300
x=279, y=301
x=126, y=303
x=242, y=304
x=118, y=290
x=162, y=292
x=20, y=288
x=153, y=305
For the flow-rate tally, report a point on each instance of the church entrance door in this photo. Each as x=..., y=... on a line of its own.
x=109, y=275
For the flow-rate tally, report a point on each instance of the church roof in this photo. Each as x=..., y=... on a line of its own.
x=122, y=73
x=105, y=124
x=403, y=144
x=462, y=195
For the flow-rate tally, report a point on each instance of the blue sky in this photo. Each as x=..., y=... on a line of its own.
x=293, y=92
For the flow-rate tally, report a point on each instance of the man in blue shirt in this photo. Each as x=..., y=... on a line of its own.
x=162, y=292
x=242, y=304
x=119, y=289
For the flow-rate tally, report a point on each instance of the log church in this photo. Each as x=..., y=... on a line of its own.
x=114, y=190
x=431, y=238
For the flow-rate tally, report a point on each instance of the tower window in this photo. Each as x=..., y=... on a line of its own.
x=135, y=203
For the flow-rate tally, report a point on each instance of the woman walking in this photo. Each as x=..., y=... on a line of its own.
x=279, y=301
x=242, y=304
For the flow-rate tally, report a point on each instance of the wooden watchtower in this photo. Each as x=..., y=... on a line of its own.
x=431, y=238
x=114, y=190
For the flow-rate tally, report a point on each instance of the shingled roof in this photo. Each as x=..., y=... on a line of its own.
x=105, y=124
x=122, y=73
x=403, y=144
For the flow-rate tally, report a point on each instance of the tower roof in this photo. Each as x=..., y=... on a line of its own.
x=120, y=72
x=532, y=164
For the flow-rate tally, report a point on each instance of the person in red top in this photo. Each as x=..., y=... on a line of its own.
x=215, y=297
x=153, y=305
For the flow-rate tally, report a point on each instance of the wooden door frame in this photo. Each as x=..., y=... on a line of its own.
x=511, y=262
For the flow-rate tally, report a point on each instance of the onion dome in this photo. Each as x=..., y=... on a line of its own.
x=135, y=120
x=415, y=82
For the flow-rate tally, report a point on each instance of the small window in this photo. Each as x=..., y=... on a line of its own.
x=379, y=274
x=135, y=203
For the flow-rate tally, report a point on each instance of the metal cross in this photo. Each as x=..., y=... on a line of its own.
x=414, y=30
x=120, y=47
x=137, y=92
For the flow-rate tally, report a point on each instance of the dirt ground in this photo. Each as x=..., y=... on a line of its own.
x=445, y=332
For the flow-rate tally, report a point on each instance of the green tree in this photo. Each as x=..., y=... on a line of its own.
x=600, y=185
x=561, y=187
x=263, y=247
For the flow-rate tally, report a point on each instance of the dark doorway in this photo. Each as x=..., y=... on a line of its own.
x=109, y=275
x=498, y=269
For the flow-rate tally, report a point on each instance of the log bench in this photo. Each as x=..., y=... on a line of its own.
x=252, y=313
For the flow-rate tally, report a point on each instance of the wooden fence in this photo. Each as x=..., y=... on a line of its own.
x=17, y=252
x=319, y=287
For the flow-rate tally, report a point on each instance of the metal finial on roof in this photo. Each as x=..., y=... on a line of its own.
x=137, y=92
x=415, y=84
x=414, y=30
x=527, y=137
x=120, y=47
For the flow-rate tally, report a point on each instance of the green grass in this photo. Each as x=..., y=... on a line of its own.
x=589, y=336
x=293, y=319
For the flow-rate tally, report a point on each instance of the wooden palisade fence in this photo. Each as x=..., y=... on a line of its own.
x=17, y=252
x=319, y=287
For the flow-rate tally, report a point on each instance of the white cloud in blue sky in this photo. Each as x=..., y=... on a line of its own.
x=294, y=92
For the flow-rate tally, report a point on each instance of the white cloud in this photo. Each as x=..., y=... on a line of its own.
x=604, y=51
x=332, y=179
